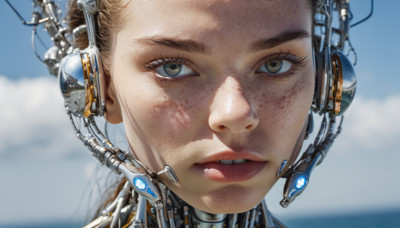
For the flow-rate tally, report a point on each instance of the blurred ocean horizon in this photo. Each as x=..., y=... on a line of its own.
x=380, y=219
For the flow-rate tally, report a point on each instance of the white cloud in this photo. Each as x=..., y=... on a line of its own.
x=373, y=124
x=33, y=120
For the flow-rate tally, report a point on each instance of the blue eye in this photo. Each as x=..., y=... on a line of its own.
x=174, y=70
x=275, y=67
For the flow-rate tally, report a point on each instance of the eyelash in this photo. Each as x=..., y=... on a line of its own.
x=165, y=60
x=154, y=64
x=297, y=62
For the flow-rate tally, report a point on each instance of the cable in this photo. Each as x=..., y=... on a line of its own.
x=367, y=17
x=34, y=45
x=19, y=15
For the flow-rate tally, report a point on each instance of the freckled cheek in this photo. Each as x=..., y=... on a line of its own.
x=273, y=106
x=284, y=108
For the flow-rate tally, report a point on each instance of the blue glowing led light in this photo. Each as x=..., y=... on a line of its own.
x=300, y=182
x=139, y=183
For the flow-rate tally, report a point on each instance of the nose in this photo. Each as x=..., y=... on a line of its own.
x=230, y=110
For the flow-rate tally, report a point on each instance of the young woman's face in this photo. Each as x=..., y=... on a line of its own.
x=217, y=89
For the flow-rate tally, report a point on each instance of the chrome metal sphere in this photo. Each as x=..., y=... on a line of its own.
x=349, y=84
x=72, y=84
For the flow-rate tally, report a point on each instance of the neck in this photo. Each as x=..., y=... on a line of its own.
x=134, y=210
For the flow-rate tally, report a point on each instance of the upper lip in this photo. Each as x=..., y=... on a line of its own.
x=232, y=155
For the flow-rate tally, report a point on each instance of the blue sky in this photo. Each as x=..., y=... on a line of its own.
x=44, y=169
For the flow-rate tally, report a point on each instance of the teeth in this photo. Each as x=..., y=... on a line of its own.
x=231, y=162
x=226, y=162
x=239, y=161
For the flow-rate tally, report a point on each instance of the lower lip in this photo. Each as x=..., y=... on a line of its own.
x=231, y=173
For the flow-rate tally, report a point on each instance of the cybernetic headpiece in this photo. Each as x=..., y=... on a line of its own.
x=81, y=81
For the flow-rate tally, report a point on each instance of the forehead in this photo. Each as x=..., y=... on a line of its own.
x=208, y=19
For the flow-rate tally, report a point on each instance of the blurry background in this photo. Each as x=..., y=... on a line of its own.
x=45, y=172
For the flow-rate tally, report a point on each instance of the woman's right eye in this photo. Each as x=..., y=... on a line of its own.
x=276, y=67
x=174, y=70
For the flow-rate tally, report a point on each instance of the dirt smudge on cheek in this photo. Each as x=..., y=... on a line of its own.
x=173, y=115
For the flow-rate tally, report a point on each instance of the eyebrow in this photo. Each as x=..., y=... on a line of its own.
x=183, y=45
x=285, y=37
x=193, y=46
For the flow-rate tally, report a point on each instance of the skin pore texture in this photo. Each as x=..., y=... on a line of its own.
x=225, y=103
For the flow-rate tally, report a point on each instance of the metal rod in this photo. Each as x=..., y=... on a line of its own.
x=233, y=221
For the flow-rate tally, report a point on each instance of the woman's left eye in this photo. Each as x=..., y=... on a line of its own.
x=174, y=70
x=275, y=67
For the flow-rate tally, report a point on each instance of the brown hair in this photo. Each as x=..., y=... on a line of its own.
x=108, y=19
